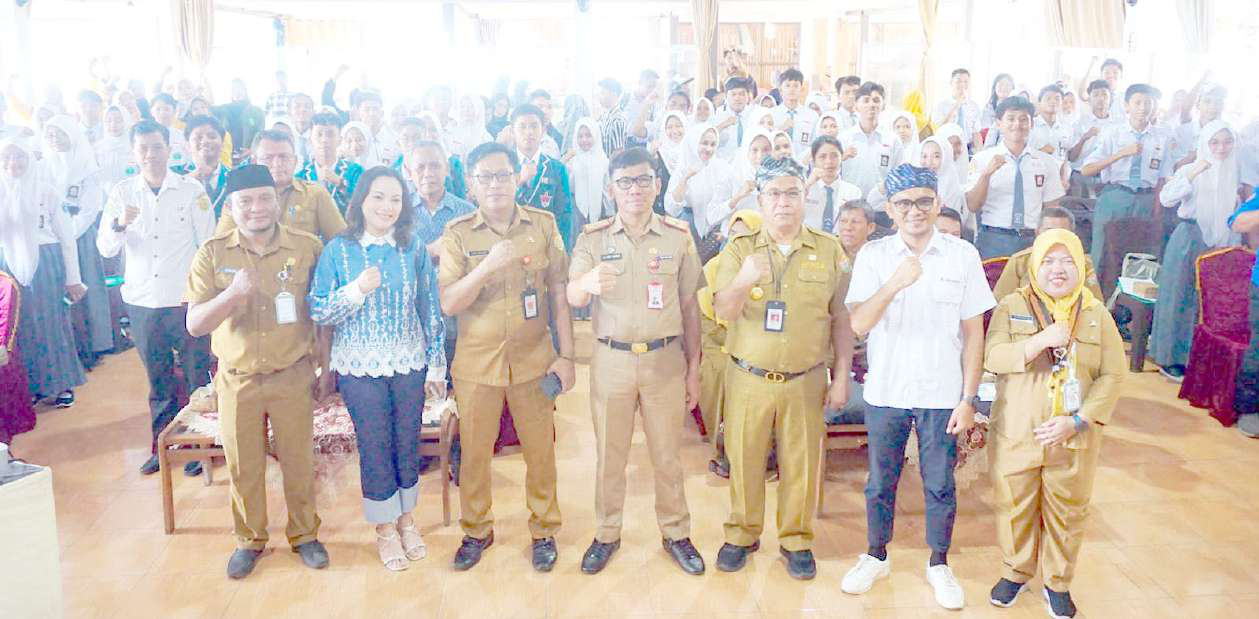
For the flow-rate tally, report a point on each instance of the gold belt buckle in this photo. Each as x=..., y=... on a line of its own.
x=638, y=348
x=775, y=377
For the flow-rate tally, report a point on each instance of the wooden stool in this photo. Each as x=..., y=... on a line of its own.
x=436, y=441
x=838, y=436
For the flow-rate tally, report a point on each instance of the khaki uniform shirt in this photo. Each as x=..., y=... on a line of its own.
x=251, y=341
x=304, y=206
x=812, y=281
x=497, y=345
x=1022, y=388
x=1015, y=275
x=663, y=258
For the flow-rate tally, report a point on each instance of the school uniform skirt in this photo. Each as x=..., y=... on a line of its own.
x=1176, y=311
x=93, y=325
x=44, y=333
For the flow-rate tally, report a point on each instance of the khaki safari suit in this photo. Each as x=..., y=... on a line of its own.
x=1042, y=493
x=713, y=358
x=651, y=376
x=812, y=282
x=1016, y=275
x=265, y=371
x=502, y=355
x=304, y=206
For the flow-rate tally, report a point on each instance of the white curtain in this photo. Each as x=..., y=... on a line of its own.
x=705, y=18
x=194, y=30
x=1086, y=23
x=928, y=11
x=1196, y=18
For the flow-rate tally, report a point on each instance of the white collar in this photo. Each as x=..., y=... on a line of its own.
x=368, y=239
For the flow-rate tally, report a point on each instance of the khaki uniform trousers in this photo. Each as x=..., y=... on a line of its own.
x=480, y=410
x=654, y=384
x=1041, y=511
x=790, y=412
x=246, y=403
x=712, y=381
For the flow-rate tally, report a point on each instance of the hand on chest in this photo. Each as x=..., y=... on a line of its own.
x=645, y=271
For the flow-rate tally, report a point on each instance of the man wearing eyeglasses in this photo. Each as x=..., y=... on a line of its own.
x=502, y=274
x=920, y=296
x=304, y=205
x=781, y=289
x=639, y=273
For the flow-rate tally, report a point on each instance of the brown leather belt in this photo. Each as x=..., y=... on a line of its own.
x=638, y=348
x=769, y=375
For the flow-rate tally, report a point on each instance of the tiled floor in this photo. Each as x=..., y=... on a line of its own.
x=1174, y=532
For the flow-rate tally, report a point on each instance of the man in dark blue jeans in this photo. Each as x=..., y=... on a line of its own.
x=920, y=296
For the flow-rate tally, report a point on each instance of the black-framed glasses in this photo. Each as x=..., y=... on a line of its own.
x=490, y=179
x=923, y=204
x=644, y=181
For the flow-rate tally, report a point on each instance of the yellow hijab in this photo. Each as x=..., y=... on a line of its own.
x=916, y=104
x=751, y=219
x=1061, y=309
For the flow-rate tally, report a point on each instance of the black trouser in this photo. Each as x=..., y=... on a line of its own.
x=157, y=334
x=1246, y=399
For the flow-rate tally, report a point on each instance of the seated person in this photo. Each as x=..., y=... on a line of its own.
x=1015, y=275
x=949, y=222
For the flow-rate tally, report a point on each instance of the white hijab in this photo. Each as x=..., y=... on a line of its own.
x=468, y=134
x=588, y=169
x=711, y=110
x=113, y=153
x=961, y=164
x=712, y=185
x=890, y=126
x=1215, y=189
x=76, y=164
x=833, y=115
x=673, y=153
x=758, y=114
x=364, y=159
x=821, y=100
x=19, y=215
x=745, y=167
x=948, y=188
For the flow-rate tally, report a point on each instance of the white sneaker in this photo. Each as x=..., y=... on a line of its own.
x=948, y=591
x=861, y=577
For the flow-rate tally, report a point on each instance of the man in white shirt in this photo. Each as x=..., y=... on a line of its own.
x=920, y=296
x=960, y=108
x=869, y=151
x=1008, y=198
x=825, y=191
x=369, y=108
x=793, y=116
x=158, y=219
x=1084, y=136
x=1210, y=104
x=1051, y=131
x=731, y=120
x=1130, y=160
x=846, y=90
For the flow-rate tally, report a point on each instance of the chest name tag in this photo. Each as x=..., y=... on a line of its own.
x=285, y=309
x=529, y=303
x=775, y=316
x=655, y=296
x=1156, y=163
x=1040, y=180
x=478, y=252
x=1071, y=395
x=611, y=256
x=884, y=160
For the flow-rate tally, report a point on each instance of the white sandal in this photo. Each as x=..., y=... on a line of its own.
x=412, y=542
x=391, y=553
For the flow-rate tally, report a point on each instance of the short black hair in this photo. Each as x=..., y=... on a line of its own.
x=326, y=119
x=489, y=149
x=1017, y=103
x=859, y=204
x=959, y=71
x=611, y=85
x=823, y=140
x=790, y=75
x=368, y=95
x=948, y=213
x=192, y=122
x=711, y=93
x=272, y=135
x=90, y=95
x=162, y=97
x=1057, y=212
x=629, y=158
x=147, y=126
x=680, y=93
x=847, y=80
x=869, y=88
x=527, y=109
x=1098, y=85
x=1141, y=89
x=540, y=94
x=1048, y=89
x=736, y=83
x=1109, y=62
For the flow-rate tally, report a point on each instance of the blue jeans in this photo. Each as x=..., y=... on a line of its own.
x=386, y=413
x=996, y=245
x=937, y=454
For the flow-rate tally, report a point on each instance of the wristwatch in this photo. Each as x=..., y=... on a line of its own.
x=974, y=401
x=117, y=228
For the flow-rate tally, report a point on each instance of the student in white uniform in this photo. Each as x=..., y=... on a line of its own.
x=830, y=123
x=1210, y=106
x=846, y=89
x=1084, y=135
x=904, y=127
x=959, y=108
x=793, y=116
x=825, y=191
x=869, y=150
x=758, y=146
x=732, y=119
x=700, y=192
x=1051, y=133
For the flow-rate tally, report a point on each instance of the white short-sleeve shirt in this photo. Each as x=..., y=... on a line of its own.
x=915, y=350
x=803, y=127
x=1042, y=182
x=1158, y=152
x=877, y=152
x=815, y=202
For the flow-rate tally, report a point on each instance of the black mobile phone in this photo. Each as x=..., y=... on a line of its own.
x=551, y=385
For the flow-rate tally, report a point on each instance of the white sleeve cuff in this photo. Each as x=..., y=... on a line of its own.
x=354, y=293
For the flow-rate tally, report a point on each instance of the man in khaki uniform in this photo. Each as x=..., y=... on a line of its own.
x=639, y=272
x=304, y=206
x=782, y=291
x=1015, y=274
x=502, y=273
x=248, y=287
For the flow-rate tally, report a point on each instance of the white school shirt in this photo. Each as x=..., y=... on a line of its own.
x=707, y=195
x=915, y=349
x=1058, y=135
x=161, y=243
x=969, y=112
x=803, y=129
x=815, y=202
x=728, y=144
x=847, y=119
x=1085, y=122
x=1042, y=182
x=876, y=153
x=1158, y=151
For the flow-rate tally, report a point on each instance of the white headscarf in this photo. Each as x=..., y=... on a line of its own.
x=113, y=153
x=74, y=165
x=818, y=98
x=961, y=164
x=673, y=153
x=588, y=169
x=948, y=188
x=364, y=159
x=467, y=135
x=744, y=165
x=773, y=136
x=833, y=115
x=19, y=215
x=758, y=114
x=708, y=192
x=1215, y=189
x=890, y=126
x=711, y=111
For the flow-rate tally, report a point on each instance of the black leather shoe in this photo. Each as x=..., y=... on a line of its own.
x=800, y=563
x=720, y=467
x=732, y=558
x=192, y=469
x=469, y=553
x=151, y=466
x=597, y=556
x=242, y=562
x=1004, y=592
x=544, y=554
x=687, y=557
x=313, y=554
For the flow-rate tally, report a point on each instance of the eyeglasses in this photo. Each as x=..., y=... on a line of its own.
x=923, y=204
x=625, y=182
x=490, y=179
x=774, y=195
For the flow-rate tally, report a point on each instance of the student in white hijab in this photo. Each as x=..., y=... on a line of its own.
x=1204, y=194
x=37, y=248
x=113, y=150
x=905, y=129
x=701, y=190
x=829, y=123
x=468, y=131
x=780, y=145
x=936, y=154
x=817, y=102
x=704, y=111
x=761, y=117
x=357, y=144
x=961, y=156
x=588, y=173
x=756, y=147
x=672, y=142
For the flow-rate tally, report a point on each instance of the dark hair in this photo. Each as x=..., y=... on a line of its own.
x=1048, y=89
x=948, y=213
x=1098, y=85
x=1109, y=62
x=162, y=97
x=1057, y=212
x=368, y=95
x=858, y=205
x=90, y=95
x=488, y=149
x=540, y=94
x=847, y=80
x=711, y=93
x=326, y=119
x=869, y=88
x=354, y=223
x=790, y=75
x=527, y=109
x=680, y=93
x=992, y=98
x=192, y=122
x=958, y=71
x=823, y=140
x=147, y=126
x=272, y=135
x=611, y=85
x=1017, y=103
x=629, y=158
x=735, y=83
x=1141, y=89
x=504, y=97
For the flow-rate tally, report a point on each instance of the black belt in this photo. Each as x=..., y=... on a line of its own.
x=1128, y=189
x=769, y=375
x=638, y=348
x=1021, y=232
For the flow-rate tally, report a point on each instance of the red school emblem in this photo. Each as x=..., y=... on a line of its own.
x=546, y=199
x=1040, y=180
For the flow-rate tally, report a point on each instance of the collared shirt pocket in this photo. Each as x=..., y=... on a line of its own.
x=813, y=283
x=620, y=284
x=1088, y=347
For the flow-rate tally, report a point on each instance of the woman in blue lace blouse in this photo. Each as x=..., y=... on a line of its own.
x=377, y=288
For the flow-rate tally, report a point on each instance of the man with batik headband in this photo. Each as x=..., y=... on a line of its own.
x=778, y=289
